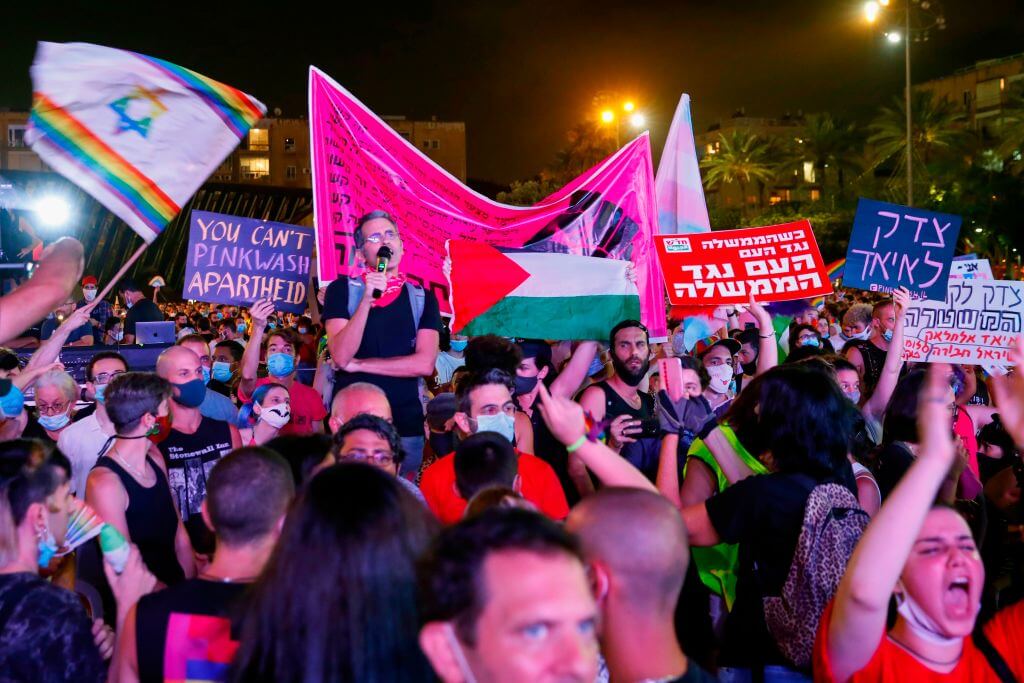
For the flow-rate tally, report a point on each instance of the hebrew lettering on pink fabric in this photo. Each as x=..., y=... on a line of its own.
x=360, y=164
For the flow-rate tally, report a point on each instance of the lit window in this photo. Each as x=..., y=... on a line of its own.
x=289, y=144
x=289, y=172
x=809, y=176
x=259, y=139
x=774, y=199
x=254, y=168
x=16, y=136
x=815, y=195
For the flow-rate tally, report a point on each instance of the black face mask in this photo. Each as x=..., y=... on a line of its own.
x=749, y=368
x=442, y=443
x=523, y=385
x=633, y=379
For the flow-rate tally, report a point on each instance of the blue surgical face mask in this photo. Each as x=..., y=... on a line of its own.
x=280, y=364
x=501, y=424
x=240, y=328
x=222, y=371
x=303, y=330
x=887, y=335
x=47, y=548
x=854, y=396
x=54, y=423
x=459, y=345
x=811, y=341
x=101, y=389
x=271, y=326
x=12, y=403
x=191, y=394
x=206, y=375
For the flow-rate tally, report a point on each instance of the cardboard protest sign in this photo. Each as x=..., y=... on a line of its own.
x=976, y=269
x=361, y=164
x=774, y=263
x=898, y=246
x=975, y=325
x=234, y=260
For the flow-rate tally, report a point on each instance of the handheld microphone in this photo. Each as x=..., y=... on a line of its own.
x=383, y=257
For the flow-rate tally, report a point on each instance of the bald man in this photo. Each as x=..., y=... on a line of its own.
x=634, y=542
x=361, y=398
x=194, y=443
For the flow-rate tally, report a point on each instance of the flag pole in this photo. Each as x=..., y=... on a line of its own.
x=120, y=273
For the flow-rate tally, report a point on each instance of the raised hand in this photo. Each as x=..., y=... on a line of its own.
x=260, y=311
x=1009, y=394
x=901, y=300
x=763, y=318
x=935, y=436
x=564, y=417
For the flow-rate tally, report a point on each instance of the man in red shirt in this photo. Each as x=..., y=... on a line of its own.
x=485, y=405
x=308, y=411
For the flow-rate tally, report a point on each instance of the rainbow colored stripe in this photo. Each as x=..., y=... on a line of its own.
x=835, y=271
x=237, y=110
x=68, y=136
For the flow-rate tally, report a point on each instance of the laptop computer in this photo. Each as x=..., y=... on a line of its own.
x=154, y=333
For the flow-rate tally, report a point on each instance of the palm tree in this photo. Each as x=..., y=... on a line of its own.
x=827, y=143
x=936, y=133
x=742, y=158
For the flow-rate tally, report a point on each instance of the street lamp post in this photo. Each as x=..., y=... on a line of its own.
x=871, y=12
x=609, y=114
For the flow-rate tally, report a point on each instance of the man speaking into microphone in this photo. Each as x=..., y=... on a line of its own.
x=384, y=330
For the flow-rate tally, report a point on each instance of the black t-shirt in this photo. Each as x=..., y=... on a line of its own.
x=45, y=635
x=189, y=459
x=764, y=515
x=142, y=311
x=694, y=674
x=171, y=621
x=389, y=333
x=893, y=462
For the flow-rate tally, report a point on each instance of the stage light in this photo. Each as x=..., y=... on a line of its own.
x=52, y=211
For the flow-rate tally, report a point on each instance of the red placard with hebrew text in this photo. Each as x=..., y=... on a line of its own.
x=774, y=263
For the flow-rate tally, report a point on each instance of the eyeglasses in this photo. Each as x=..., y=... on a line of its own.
x=387, y=235
x=378, y=458
x=55, y=409
x=105, y=377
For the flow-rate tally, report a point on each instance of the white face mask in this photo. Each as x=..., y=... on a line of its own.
x=277, y=416
x=89, y=294
x=919, y=622
x=721, y=377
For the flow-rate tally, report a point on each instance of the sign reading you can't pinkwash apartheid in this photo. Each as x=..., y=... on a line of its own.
x=361, y=164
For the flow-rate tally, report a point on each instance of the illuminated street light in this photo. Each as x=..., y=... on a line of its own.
x=978, y=230
x=637, y=120
x=607, y=116
x=893, y=37
x=871, y=11
x=52, y=211
x=628, y=106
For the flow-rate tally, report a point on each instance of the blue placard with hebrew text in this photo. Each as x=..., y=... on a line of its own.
x=899, y=246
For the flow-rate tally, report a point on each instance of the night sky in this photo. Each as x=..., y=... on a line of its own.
x=521, y=73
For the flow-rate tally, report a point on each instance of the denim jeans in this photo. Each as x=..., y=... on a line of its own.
x=413, y=448
x=772, y=674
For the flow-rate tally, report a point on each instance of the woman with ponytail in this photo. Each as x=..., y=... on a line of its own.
x=262, y=418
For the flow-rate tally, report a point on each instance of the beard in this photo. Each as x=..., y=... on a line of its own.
x=631, y=378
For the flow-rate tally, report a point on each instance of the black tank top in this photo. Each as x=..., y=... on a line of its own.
x=189, y=459
x=170, y=622
x=874, y=360
x=643, y=453
x=152, y=521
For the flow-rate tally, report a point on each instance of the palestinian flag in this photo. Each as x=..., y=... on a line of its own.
x=536, y=295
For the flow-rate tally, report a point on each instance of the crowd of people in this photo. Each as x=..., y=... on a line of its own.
x=359, y=494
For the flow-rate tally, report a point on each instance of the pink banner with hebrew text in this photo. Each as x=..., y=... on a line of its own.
x=361, y=164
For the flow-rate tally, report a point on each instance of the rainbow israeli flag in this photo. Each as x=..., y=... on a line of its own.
x=137, y=133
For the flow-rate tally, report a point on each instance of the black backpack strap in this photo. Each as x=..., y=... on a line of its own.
x=992, y=656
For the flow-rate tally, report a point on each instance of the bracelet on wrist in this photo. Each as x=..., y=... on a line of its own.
x=766, y=336
x=577, y=444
